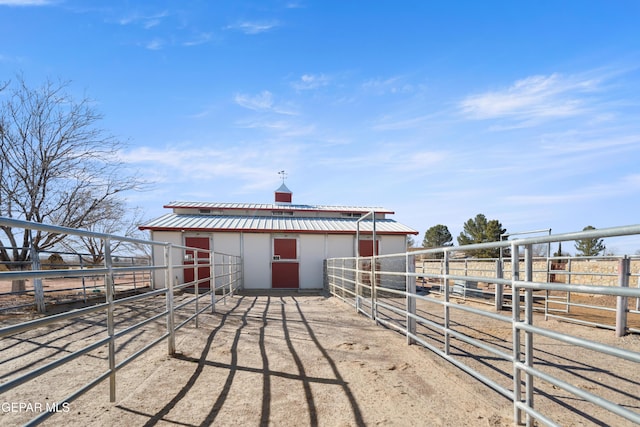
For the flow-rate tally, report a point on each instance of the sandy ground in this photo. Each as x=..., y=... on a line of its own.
x=291, y=360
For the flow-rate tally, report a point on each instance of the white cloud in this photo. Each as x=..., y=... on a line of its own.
x=391, y=158
x=146, y=21
x=311, y=81
x=388, y=123
x=533, y=99
x=201, y=38
x=200, y=114
x=632, y=181
x=573, y=142
x=625, y=185
x=283, y=128
x=261, y=102
x=155, y=44
x=391, y=85
x=186, y=169
x=26, y=2
x=252, y=28
x=422, y=160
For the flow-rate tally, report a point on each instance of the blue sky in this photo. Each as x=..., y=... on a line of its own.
x=527, y=112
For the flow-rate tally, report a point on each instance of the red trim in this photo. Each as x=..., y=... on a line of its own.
x=246, y=230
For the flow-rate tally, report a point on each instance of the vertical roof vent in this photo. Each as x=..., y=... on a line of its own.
x=283, y=195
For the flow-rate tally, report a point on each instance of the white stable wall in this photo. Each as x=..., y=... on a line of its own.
x=340, y=245
x=393, y=244
x=312, y=254
x=158, y=255
x=257, y=260
x=257, y=252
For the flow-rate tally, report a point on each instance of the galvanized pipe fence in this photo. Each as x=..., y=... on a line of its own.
x=224, y=278
x=622, y=271
x=84, y=288
x=385, y=289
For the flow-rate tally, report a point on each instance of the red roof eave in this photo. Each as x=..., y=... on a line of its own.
x=239, y=230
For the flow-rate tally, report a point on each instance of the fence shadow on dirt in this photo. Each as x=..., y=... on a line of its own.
x=244, y=323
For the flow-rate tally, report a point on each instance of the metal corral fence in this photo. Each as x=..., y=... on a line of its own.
x=41, y=293
x=506, y=352
x=224, y=278
x=583, y=308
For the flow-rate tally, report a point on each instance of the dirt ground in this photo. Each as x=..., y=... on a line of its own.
x=291, y=360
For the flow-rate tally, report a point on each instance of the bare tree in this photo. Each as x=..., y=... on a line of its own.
x=541, y=249
x=118, y=219
x=56, y=166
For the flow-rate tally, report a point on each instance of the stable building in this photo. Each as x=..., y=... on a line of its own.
x=282, y=244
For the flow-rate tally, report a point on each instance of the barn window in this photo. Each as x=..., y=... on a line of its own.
x=285, y=248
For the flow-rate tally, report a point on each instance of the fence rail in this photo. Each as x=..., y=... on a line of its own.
x=224, y=278
x=387, y=290
x=622, y=271
x=60, y=288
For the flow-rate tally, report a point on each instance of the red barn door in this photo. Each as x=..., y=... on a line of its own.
x=204, y=273
x=366, y=247
x=285, y=265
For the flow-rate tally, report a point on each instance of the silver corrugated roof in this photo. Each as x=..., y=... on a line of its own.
x=275, y=206
x=173, y=221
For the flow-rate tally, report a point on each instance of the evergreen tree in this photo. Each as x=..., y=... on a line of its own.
x=436, y=237
x=559, y=252
x=481, y=230
x=589, y=247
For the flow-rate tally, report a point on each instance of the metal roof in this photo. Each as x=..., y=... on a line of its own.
x=172, y=221
x=283, y=189
x=273, y=206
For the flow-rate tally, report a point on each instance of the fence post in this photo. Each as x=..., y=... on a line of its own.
x=568, y=283
x=168, y=275
x=196, y=276
x=374, y=278
x=212, y=280
x=445, y=281
x=109, y=292
x=37, y=282
x=230, y=273
x=357, y=284
x=622, y=303
x=528, y=336
x=135, y=285
x=84, y=285
x=499, y=286
x=342, y=274
x=515, y=313
x=237, y=273
x=411, y=297
x=637, y=299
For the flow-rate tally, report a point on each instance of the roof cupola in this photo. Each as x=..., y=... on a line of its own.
x=283, y=194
